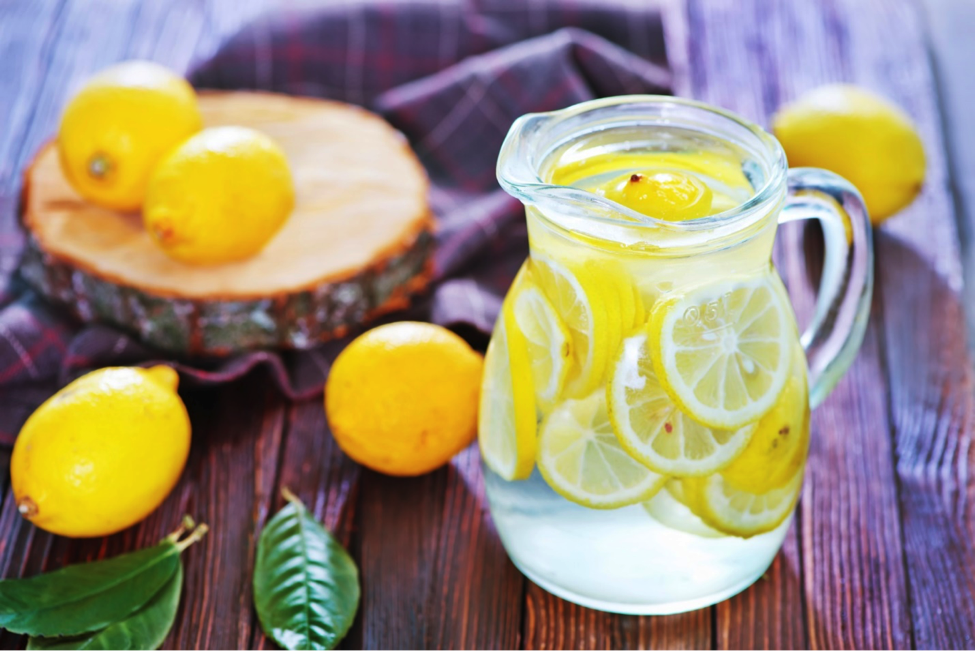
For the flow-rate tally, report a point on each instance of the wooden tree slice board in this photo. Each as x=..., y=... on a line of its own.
x=357, y=245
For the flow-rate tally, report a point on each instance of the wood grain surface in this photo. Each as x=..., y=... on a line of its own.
x=881, y=553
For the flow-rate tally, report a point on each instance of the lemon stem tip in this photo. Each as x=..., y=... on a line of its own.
x=27, y=507
x=99, y=166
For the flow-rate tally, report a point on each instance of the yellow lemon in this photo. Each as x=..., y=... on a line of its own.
x=860, y=136
x=402, y=398
x=118, y=127
x=102, y=453
x=219, y=197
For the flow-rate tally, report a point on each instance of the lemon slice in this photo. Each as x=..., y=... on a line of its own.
x=624, y=307
x=581, y=459
x=675, y=487
x=621, y=295
x=667, y=508
x=549, y=342
x=653, y=430
x=633, y=316
x=584, y=307
x=723, y=350
x=737, y=512
x=778, y=448
x=639, y=311
x=507, y=422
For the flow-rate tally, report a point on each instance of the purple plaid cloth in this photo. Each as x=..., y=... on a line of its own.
x=452, y=75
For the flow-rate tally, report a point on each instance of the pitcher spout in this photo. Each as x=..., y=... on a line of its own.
x=521, y=171
x=518, y=164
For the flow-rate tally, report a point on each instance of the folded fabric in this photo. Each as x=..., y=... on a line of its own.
x=452, y=76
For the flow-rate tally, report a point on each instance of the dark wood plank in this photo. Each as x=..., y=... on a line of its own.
x=28, y=34
x=953, y=52
x=17, y=549
x=228, y=484
x=853, y=571
x=315, y=469
x=931, y=398
x=693, y=630
x=434, y=572
x=929, y=367
x=476, y=589
x=553, y=623
x=768, y=615
x=751, y=57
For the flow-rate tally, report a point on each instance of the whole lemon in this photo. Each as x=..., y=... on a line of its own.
x=402, y=398
x=860, y=136
x=102, y=453
x=118, y=127
x=220, y=196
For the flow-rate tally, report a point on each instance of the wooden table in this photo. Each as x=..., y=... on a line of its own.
x=881, y=553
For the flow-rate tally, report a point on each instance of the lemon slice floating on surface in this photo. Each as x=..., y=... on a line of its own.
x=549, y=342
x=669, y=194
x=778, y=448
x=584, y=307
x=581, y=459
x=723, y=350
x=507, y=422
x=737, y=512
x=652, y=429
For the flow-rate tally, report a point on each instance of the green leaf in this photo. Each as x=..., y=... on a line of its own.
x=86, y=597
x=306, y=586
x=145, y=629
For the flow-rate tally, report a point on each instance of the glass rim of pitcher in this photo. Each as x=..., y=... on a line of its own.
x=524, y=181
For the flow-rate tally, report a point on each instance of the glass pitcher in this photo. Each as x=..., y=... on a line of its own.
x=644, y=416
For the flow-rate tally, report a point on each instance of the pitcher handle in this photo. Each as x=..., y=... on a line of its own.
x=840, y=320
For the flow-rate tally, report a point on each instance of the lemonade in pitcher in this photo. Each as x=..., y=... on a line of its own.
x=644, y=416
